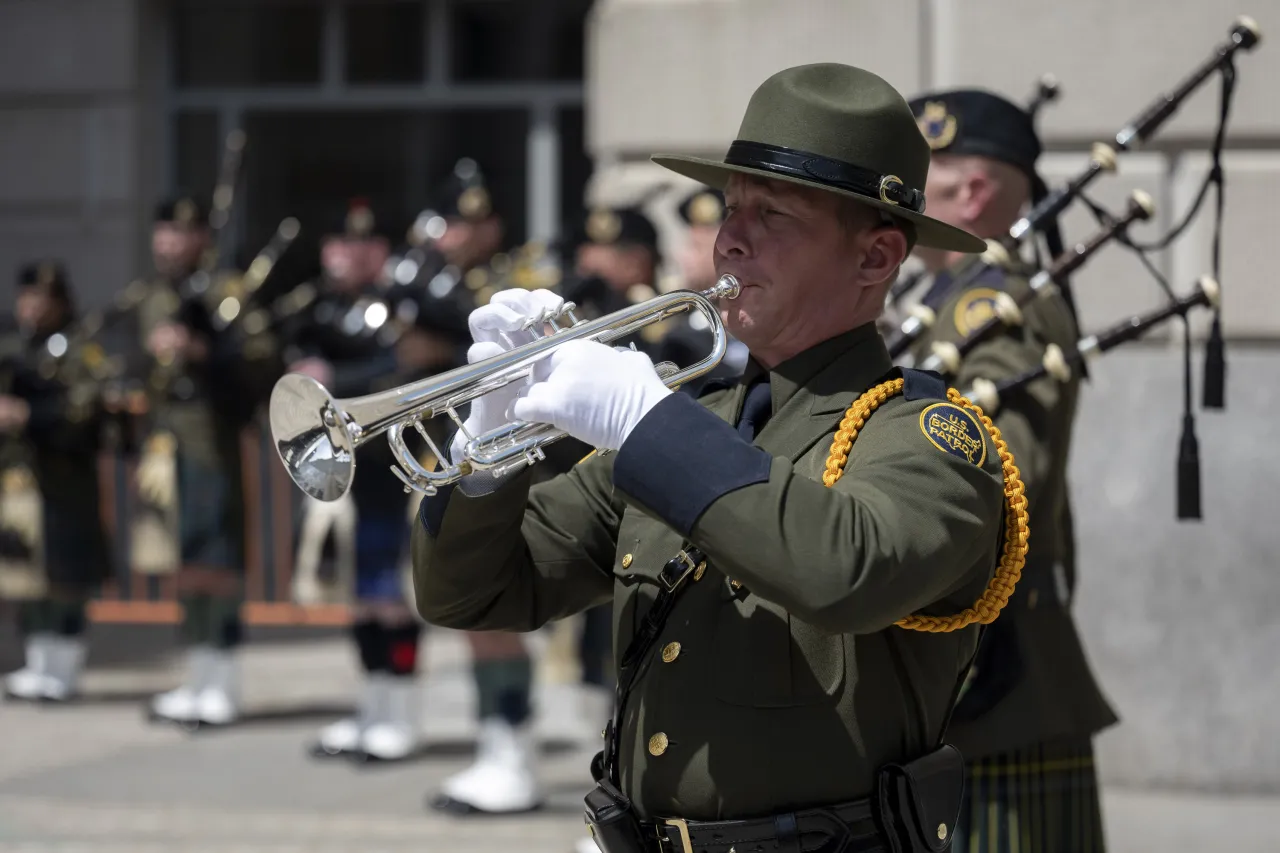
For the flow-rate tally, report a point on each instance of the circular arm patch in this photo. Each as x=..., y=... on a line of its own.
x=953, y=430
x=976, y=307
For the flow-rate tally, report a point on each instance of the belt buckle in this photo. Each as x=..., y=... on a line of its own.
x=689, y=567
x=683, y=826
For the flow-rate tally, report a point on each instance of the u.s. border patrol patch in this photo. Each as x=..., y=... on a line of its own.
x=954, y=430
x=975, y=307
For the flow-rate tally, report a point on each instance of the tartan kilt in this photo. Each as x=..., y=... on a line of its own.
x=1039, y=799
x=210, y=513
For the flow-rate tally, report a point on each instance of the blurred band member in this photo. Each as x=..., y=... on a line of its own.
x=51, y=426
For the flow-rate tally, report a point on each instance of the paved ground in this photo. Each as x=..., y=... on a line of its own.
x=96, y=777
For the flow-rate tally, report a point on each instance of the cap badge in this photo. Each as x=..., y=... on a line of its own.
x=937, y=125
x=705, y=209
x=603, y=226
x=474, y=203
x=360, y=221
x=46, y=274
x=184, y=211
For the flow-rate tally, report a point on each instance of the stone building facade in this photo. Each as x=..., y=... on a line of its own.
x=96, y=122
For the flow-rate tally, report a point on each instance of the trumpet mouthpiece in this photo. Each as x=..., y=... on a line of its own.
x=726, y=287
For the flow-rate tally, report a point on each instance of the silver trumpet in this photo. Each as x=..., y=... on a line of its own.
x=317, y=436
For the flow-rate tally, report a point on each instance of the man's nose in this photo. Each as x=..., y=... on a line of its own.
x=732, y=240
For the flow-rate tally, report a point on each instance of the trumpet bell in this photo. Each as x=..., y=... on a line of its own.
x=315, y=443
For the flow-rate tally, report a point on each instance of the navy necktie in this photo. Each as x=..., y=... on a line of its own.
x=756, y=410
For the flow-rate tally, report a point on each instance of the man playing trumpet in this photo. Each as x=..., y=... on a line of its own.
x=790, y=558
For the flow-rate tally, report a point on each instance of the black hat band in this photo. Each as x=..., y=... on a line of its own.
x=833, y=173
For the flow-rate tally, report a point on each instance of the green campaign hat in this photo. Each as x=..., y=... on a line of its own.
x=836, y=128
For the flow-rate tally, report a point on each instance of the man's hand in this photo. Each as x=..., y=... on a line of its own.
x=496, y=328
x=14, y=412
x=595, y=393
x=317, y=368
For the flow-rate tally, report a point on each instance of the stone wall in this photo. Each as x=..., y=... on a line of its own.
x=71, y=152
x=1178, y=617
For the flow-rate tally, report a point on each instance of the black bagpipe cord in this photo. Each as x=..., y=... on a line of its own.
x=1188, y=465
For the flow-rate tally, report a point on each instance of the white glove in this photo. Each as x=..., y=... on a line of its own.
x=496, y=328
x=594, y=392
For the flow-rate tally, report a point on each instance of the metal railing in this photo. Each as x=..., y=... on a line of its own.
x=272, y=506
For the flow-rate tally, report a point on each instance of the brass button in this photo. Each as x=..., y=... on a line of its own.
x=626, y=561
x=942, y=832
x=737, y=585
x=670, y=652
x=697, y=573
x=658, y=744
x=1032, y=598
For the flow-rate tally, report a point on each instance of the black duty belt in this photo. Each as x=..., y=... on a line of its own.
x=914, y=810
x=848, y=828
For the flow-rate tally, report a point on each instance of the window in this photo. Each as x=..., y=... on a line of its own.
x=311, y=164
x=575, y=164
x=198, y=154
x=384, y=41
x=247, y=42
x=514, y=40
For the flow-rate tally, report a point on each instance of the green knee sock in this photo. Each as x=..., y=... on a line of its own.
x=225, y=629
x=503, y=689
x=67, y=618
x=34, y=617
x=195, y=620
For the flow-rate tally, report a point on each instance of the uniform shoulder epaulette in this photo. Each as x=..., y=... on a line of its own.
x=923, y=384
x=917, y=384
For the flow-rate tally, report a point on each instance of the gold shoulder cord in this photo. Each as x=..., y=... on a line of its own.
x=1014, y=553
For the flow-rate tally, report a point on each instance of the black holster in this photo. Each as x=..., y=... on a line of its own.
x=918, y=803
x=611, y=818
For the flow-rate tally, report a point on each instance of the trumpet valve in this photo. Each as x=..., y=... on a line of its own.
x=535, y=324
x=563, y=314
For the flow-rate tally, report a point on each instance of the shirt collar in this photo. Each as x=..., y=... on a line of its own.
x=852, y=360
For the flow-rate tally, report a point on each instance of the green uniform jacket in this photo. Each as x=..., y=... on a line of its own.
x=1031, y=682
x=205, y=407
x=791, y=686
x=207, y=404
x=60, y=444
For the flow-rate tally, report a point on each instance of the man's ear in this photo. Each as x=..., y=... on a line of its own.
x=886, y=250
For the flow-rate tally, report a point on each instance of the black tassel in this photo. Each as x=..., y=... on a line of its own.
x=1215, y=368
x=1188, y=471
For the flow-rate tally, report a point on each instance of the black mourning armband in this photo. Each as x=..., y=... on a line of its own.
x=681, y=458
